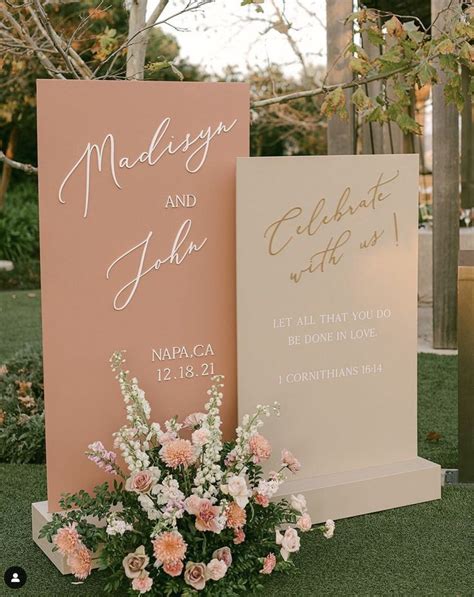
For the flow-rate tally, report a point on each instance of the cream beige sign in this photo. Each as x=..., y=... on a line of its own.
x=327, y=323
x=137, y=214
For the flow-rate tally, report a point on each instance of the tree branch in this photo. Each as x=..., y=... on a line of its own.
x=162, y=4
x=28, y=168
x=326, y=88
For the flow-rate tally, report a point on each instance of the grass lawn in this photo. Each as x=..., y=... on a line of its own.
x=20, y=320
x=419, y=550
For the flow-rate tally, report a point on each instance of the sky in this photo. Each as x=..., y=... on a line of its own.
x=224, y=33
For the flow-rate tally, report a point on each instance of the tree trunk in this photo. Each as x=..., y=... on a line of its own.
x=339, y=35
x=467, y=145
x=7, y=170
x=445, y=207
x=372, y=132
x=137, y=41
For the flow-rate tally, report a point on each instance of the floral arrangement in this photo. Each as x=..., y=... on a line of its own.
x=193, y=514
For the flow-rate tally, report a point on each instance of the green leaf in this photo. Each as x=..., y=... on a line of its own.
x=393, y=56
x=413, y=31
x=375, y=36
x=408, y=124
x=426, y=73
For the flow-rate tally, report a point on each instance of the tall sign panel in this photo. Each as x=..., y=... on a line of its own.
x=137, y=216
x=327, y=323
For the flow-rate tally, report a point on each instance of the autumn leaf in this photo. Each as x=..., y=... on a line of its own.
x=433, y=436
x=394, y=27
x=335, y=103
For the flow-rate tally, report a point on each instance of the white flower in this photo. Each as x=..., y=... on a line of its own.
x=236, y=486
x=268, y=488
x=329, y=529
x=289, y=542
x=116, y=525
x=298, y=503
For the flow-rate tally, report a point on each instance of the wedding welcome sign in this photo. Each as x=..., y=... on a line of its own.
x=327, y=324
x=137, y=216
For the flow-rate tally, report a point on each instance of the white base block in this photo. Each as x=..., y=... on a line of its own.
x=341, y=495
x=336, y=496
x=39, y=517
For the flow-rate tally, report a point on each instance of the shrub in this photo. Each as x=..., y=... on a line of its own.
x=19, y=225
x=22, y=438
x=19, y=237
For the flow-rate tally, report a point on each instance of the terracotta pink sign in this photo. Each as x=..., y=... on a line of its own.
x=137, y=216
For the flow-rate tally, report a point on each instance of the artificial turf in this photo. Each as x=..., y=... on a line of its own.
x=418, y=550
x=20, y=320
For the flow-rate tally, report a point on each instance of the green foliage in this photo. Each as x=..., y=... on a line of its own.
x=410, y=57
x=19, y=225
x=22, y=408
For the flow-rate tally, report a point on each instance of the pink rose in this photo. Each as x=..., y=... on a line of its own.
x=239, y=536
x=142, y=481
x=216, y=569
x=173, y=568
x=223, y=554
x=269, y=564
x=289, y=542
x=142, y=583
x=195, y=575
x=304, y=522
x=288, y=460
x=134, y=563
